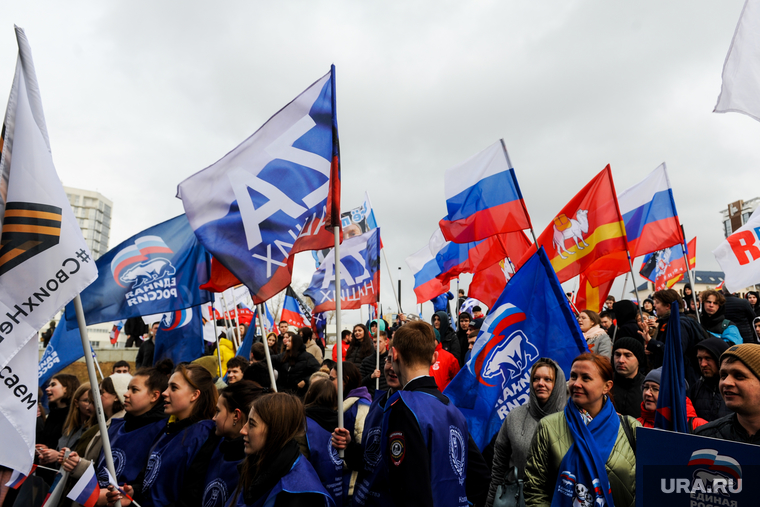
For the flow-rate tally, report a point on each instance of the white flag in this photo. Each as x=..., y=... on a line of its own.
x=44, y=261
x=740, y=92
x=739, y=255
x=18, y=409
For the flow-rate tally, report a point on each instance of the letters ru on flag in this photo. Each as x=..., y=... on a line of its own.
x=739, y=255
x=274, y=195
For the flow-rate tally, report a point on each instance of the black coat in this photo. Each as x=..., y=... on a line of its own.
x=145, y=354
x=368, y=367
x=627, y=394
x=707, y=401
x=290, y=375
x=355, y=355
x=728, y=428
x=740, y=312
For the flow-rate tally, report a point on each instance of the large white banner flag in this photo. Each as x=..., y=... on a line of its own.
x=739, y=255
x=44, y=261
x=740, y=92
x=18, y=409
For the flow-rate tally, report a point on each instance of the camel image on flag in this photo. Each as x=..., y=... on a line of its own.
x=588, y=234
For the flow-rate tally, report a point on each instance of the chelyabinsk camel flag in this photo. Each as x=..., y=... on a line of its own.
x=44, y=261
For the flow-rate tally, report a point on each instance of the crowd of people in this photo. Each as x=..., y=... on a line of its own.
x=192, y=435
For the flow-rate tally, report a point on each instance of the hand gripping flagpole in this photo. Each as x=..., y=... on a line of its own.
x=93, y=383
x=339, y=366
x=266, y=346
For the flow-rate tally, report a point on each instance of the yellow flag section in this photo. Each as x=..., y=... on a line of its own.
x=588, y=234
x=591, y=298
x=44, y=261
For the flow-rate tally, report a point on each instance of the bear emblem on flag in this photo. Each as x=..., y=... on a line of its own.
x=138, y=264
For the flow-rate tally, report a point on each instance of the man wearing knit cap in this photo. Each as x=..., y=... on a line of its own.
x=628, y=359
x=704, y=393
x=740, y=388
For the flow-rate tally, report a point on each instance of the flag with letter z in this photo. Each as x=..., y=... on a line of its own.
x=276, y=194
x=44, y=261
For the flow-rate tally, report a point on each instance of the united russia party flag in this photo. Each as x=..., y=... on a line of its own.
x=649, y=213
x=157, y=270
x=274, y=195
x=531, y=319
x=359, y=275
x=483, y=197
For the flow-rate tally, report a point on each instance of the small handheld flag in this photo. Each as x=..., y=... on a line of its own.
x=86, y=491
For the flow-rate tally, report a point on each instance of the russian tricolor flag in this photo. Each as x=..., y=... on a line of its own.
x=483, y=198
x=426, y=270
x=650, y=216
x=291, y=310
x=17, y=478
x=86, y=490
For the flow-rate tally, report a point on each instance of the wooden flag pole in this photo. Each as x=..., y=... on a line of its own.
x=266, y=347
x=339, y=366
x=93, y=384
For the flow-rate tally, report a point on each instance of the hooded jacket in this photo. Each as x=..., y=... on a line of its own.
x=625, y=315
x=449, y=339
x=704, y=393
x=516, y=433
x=741, y=314
x=290, y=375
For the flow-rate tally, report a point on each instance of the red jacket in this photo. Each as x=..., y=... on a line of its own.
x=445, y=368
x=647, y=417
x=335, y=351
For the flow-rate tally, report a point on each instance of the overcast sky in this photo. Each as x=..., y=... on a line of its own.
x=140, y=95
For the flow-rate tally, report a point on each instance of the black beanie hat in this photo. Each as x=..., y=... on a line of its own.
x=634, y=346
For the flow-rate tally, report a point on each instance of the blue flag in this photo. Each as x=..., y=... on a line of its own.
x=64, y=348
x=671, y=403
x=359, y=275
x=530, y=319
x=156, y=271
x=180, y=336
x=254, y=329
x=276, y=194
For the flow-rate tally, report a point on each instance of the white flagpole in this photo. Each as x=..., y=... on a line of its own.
x=397, y=296
x=625, y=284
x=237, y=318
x=216, y=337
x=97, y=364
x=228, y=318
x=339, y=366
x=266, y=347
x=106, y=442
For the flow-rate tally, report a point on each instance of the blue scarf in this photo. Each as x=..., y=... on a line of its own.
x=582, y=474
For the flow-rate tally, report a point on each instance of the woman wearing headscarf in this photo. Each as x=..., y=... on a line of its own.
x=753, y=297
x=586, y=450
x=548, y=394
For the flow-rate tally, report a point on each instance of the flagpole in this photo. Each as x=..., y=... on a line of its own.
x=635, y=289
x=387, y=265
x=339, y=366
x=266, y=347
x=97, y=364
x=216, y=337
x=692, y=279
x=228, y=319
x=377, y=355
x=530, y=222
x=106, y=442
x=237, y=318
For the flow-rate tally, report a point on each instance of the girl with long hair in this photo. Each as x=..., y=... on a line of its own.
x=190, y=401
x=588, y=440
x=356, y=402
x=274, y=471
x=360, y=347
x=294, y=365
x=60, y=390
x=132, y=436
x=321, y=410
x=221, y=473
